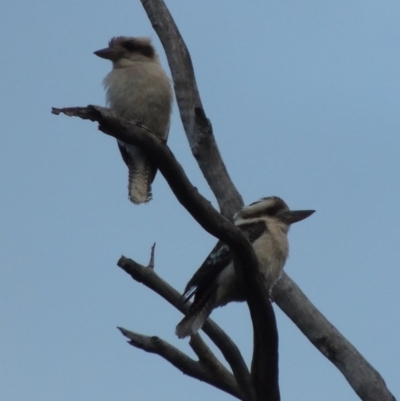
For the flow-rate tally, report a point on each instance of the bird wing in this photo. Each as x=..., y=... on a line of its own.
x=215, y=262
x=124, y=153
x=218, y=260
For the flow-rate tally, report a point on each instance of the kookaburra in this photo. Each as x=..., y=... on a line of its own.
x=138, y=89
x=266, y=224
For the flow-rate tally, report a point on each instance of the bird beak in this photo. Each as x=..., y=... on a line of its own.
x=108, y=53
x=293, y=216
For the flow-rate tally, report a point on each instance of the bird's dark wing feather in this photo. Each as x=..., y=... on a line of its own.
x=218, y=259
x=124, y=154
x=215, y=262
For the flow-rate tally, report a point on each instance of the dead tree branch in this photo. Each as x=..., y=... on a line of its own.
x=188, y=366
x=199, y=207
x=365, y=380
x=207, y=357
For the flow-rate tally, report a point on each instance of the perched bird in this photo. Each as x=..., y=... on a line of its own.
x=266, y=224
x=137, y=88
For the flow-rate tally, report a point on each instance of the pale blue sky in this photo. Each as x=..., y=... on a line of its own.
x=304, y=98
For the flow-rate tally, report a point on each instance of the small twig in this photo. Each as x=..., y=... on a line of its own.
x=151, y=262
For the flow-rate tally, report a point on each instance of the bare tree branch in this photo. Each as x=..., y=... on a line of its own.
x=207, y=357
x=264, y=366
x=199, y=207
x=197, y=126
x=362, y=377
x=180, y=360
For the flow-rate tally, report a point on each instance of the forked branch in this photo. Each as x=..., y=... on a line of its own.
x=188, y=366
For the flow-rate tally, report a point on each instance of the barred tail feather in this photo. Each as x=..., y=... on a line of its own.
x=139, y=182
x=196, y=316
x=141, y=172
x=192, y=324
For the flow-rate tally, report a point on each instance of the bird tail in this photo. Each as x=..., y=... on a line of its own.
x=139, y=181
x=196, y=316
